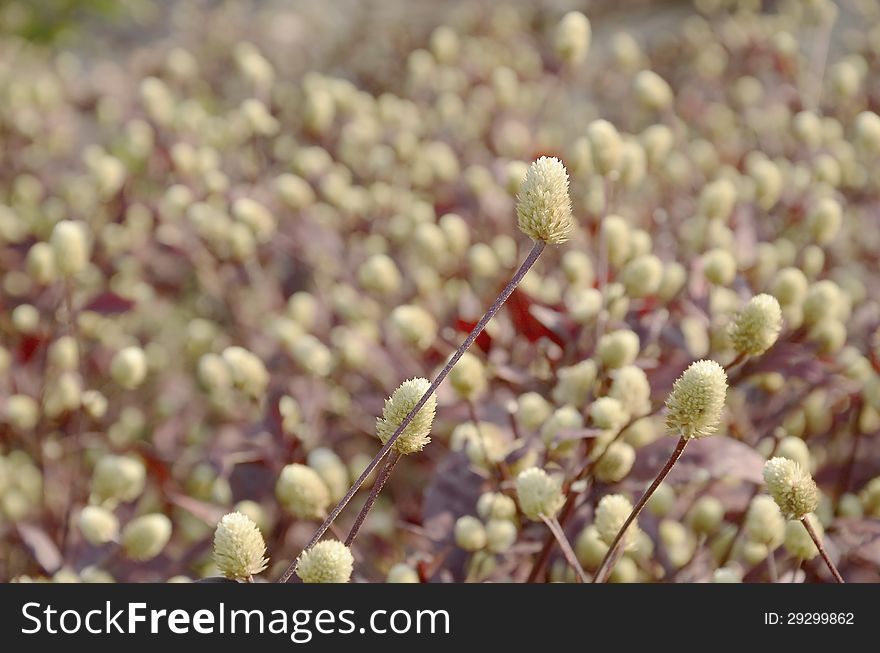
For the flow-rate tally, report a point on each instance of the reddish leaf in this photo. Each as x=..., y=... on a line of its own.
x=109, y=303
x=519, y=306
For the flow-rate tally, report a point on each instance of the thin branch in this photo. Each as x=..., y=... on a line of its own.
x=818, y=542
x=567, y=551
x=374, y=494
x=477, y=330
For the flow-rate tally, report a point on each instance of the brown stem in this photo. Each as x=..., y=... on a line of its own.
x=602, y=572
x=818, y=542
x=374, y=494
x=472, y=336
x=570, y=557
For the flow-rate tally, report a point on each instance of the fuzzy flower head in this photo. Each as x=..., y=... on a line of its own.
x=764, y=523
x=543, y=204
x=416, y=435
x=791, y=486
x=538, y=494
x=239, y=549
x=757, y=326
x=694, y=406
x=572, y=39
x=611, y=513
x=798, y=542
x=302, y=492
x=329, y=561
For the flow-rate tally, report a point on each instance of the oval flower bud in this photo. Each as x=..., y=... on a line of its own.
x=791, y=486
x=764, y=524
x=543, y=206
x=651, y=90
x=494, y=505
x=70, y=246
x=468, y=377
x=301, y=492
x=98, y=525
x=615, y=463
x=469, y=533
x=573, y=36
x=144, y=537
x=500, y=535
x=611, y=513
x=756, y=328
x=118, y=478
x=129, y=367
x=607, y=146
x=329, y=561
x=618, y=348
x=694, y=406
x=538, y=494
x=402, y=573
x=239, y=549
x=798, y=542
x=416, y=435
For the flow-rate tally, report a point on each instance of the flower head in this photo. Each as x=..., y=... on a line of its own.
x=301, y=491
x=329, y=561
x=611, y=513
x=239, y=549
x=694, y=406
x=543, y=204
x=416, y=435
x=757, y=326
x=791, y=486
x=538, y=494
x=144, y=537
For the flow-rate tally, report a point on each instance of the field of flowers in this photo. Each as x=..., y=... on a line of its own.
x=242, y=245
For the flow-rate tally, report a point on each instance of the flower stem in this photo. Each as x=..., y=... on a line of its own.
x=472, y=336
x=374, y=494
x=818, y=542
x=602, y=572
x=570, y=557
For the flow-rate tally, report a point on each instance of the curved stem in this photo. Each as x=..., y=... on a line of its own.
x=472, y=336
x=818, y=542
x=602, y=572
x=567, y=551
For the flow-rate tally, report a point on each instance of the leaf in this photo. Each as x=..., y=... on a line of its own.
x=41, y=546
x=109, y=303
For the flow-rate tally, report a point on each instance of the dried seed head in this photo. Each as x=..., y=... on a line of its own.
x=694, y=406
x=144, y=537
x=538, y=494
x=791, y=486
x=764, y=523
x=543, y=206
x=469, y=533
x=329, y=561
x=757, y=326
x=611, y=513
x=239, y=549
x=416, y=435
x=572, y=40
x=98, y=525
x=129, y=367
x=302, y=492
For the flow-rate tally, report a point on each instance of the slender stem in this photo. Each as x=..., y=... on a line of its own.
x=472, y=336
x=570, y=557
x=818, y=542
x=602, y=572
x=771, y=567
x=796, y=569
x=740, y=357
x=374, y=494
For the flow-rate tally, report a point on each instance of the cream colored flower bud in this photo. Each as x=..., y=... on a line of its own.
x=118, y=478
x=768, y=182
x=630, y=386
x=575, y=383
x=791, y=486
x=468, y=377
x=41, y=263
x=611, y=513
x=652, y=91
x=532, y=410
x=658, y=141
x=402, y=573
x=543, y=205
x=717, y=199
x=302, y=492
x=145, y=537
x=641, y=277
x=615, y=463
x=824, y=220
x=608, y=414
x=764, y=523
x=312, y=356
x=500, y=535
x=572, y=38
x=129, y=367
x=248, y=372
x=329, y=561
x=719, y=266
x=823, y=301
x=538, y=494
x=70, y=246
x=331, y=469
x=674, y=279
x=415, y=325
x=25, y=318
x=22, y=412
x=867, y=128
x=870, y=496
x=618, y=348
x=606, y=145
x=793, y=448
x=239, y=549
x=798, y=542
x=98, y=525
x=494, y=505
x=697, y=399
x=63, y=354
x=756, y=328
x=706, y=515
x=616, y=233
x=469, y=533
x=380, y=275
x=726, y=575
x=589, y=548
x=416, y=435
x=789, y=286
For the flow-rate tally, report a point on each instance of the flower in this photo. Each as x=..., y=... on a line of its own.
x=573, y=37
x=538, y=494
x=694, y=406
x=239, y=549
x=302, y=492
x=416, y=435
x=757, y=326
x=791, y=486
x=144, y=537
x=543, y=205
x=329, y=561
x=611, y=513
x=129, y=367
x=469, y=533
